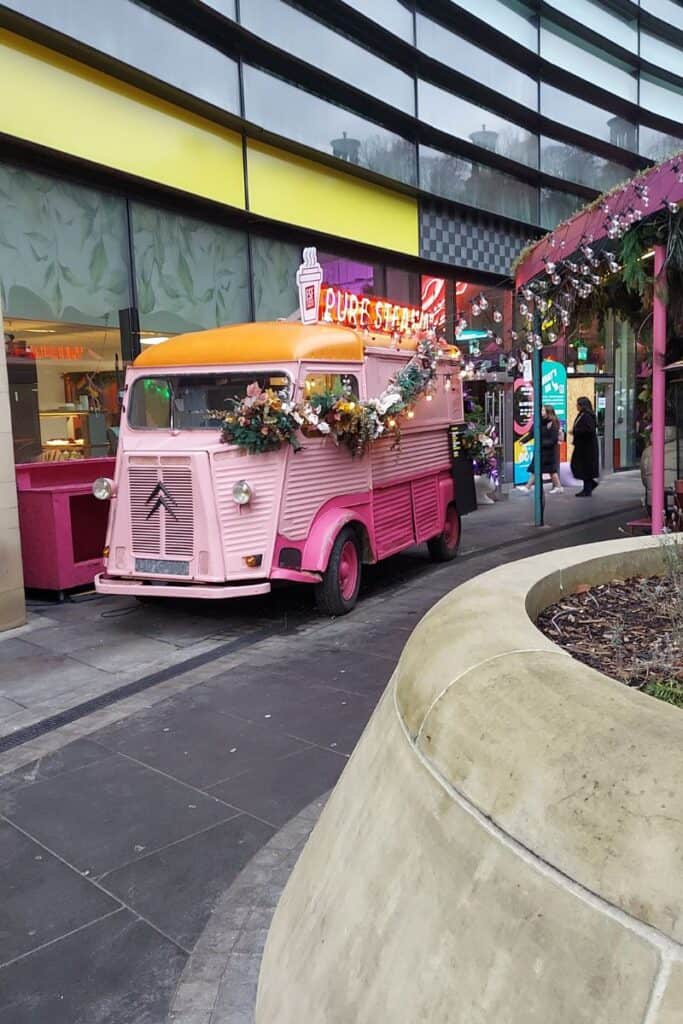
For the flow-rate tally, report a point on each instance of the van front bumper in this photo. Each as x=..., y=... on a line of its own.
x=207, y=591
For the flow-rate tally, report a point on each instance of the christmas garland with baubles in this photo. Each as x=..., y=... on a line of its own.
x=265, y=420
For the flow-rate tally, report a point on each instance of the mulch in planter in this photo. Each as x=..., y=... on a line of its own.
x=631, y=630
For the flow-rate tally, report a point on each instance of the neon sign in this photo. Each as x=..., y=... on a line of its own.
x=382, y=316
x=434, y=300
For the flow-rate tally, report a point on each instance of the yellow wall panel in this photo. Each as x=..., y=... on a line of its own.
x=288, y=188
x=57, y=102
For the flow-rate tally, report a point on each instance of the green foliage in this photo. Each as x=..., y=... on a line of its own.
x=261, y=423
x=633, y=272
x=670, y=692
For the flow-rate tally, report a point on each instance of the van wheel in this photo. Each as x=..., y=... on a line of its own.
x=445, y=547
x=338, y=592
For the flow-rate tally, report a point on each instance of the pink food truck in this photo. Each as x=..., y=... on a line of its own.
x=279, y=451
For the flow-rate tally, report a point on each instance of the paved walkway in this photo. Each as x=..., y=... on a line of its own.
x=70, y=656
x=121, y=832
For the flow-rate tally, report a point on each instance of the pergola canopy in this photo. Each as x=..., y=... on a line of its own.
x=660, y=186
x=599, y=253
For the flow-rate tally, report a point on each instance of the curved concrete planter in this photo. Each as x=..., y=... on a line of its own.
x=505, y=845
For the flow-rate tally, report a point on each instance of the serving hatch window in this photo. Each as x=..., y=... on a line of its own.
x=342, y=385
x=194, y=401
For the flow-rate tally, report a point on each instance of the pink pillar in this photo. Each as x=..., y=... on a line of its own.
x=658, y=396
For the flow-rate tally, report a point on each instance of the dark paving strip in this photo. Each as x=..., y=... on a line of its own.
x=37, y=729
x=32, y=732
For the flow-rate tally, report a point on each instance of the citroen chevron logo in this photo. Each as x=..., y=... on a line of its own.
x=161, y=499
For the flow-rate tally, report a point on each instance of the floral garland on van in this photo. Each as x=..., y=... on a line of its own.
x=263, y=421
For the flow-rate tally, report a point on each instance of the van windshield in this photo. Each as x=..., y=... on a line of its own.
x=194, y=401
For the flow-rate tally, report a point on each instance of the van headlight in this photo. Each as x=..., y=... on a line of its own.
x=241, y=492
x=103, y=488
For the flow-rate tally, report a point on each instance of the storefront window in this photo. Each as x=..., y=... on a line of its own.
x=466, y=120
x=352, y=275
x=274, y=265
x=625, y=393
x=402, y=286
x=62, y=250
x=591, y=349
x=191, y=275
x=65, y=382
x=483, y=334
x=64, y=277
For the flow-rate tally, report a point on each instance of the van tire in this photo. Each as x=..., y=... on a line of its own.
x=444, y=548
x=337, y=593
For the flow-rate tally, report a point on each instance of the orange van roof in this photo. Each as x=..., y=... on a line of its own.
x=272, y=343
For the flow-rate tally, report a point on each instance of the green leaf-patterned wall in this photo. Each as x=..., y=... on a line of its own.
x=274, y=266
x=63, y=251
x=191, y=275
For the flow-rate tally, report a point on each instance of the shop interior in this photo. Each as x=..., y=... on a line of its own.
x=65, y=383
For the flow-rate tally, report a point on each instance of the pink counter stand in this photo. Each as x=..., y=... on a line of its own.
x=63, y=527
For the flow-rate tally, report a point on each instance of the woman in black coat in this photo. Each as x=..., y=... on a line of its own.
x=550, y=462
x=585, y=464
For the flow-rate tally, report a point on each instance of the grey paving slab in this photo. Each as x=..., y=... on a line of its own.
x=9, y=708
x=177, y=888
x=364, y=673
x=337, y=726
x=41, y=674
x=263, y=697
x=42, y=898
x=15, y=649
x=196, y=743
x=278, y=791
x=73, y=755
x=71, y=637
x=116, y=970
x=110, y=813
x=142, y=653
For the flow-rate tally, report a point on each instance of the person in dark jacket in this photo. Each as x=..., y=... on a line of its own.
x=585, y=464
x=550, y=452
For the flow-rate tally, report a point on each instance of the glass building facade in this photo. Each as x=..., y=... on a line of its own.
x=474, y=128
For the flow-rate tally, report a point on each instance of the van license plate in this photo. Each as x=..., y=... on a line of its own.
x=162, y=567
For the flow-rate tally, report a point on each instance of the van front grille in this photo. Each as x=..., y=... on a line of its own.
x=162, y=510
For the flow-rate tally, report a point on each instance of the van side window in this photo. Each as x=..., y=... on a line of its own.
x=340, y=385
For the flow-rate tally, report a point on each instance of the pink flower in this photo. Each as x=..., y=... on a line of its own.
x=254, y=391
